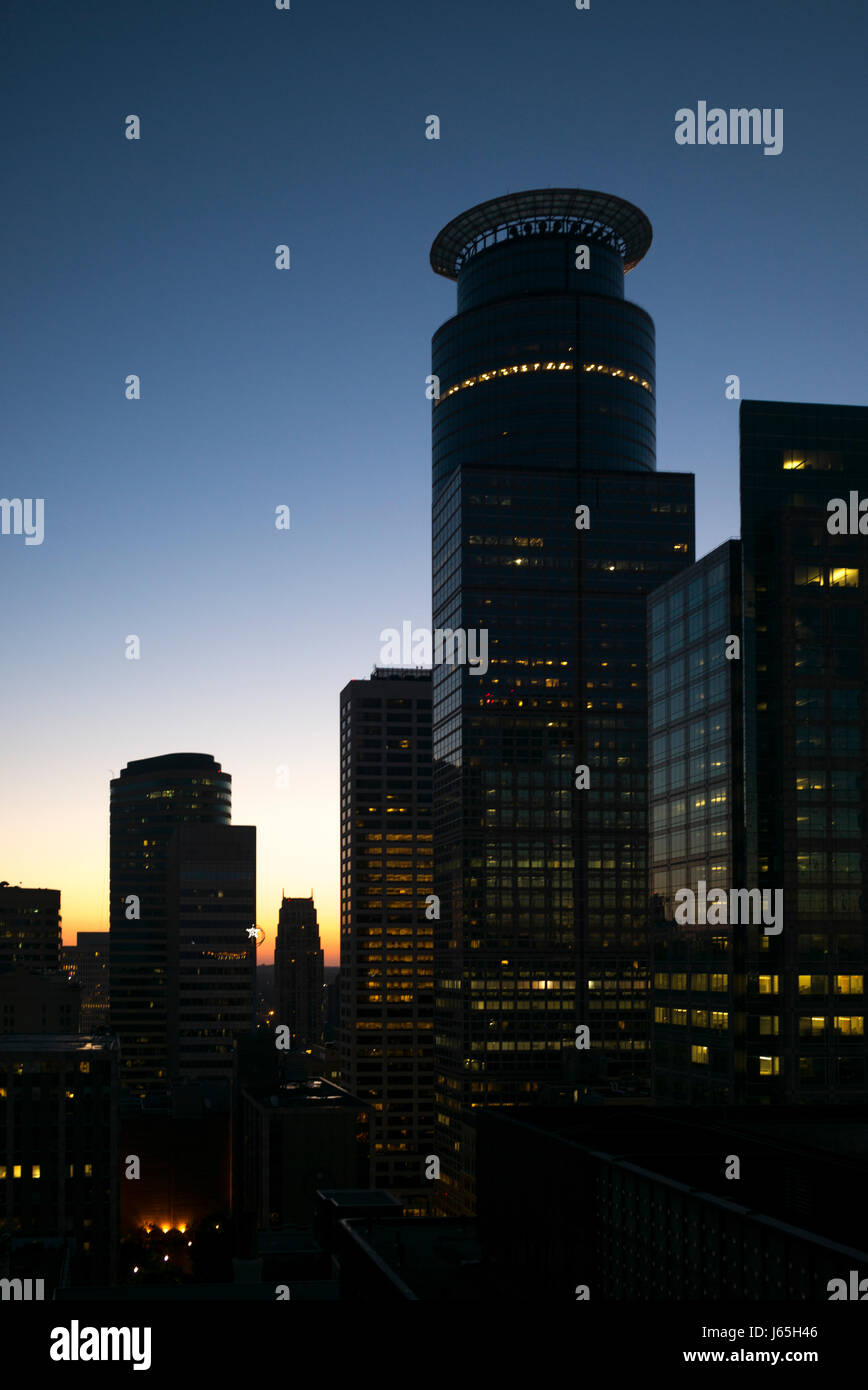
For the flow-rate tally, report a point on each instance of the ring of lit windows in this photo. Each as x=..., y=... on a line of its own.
x=525, y=367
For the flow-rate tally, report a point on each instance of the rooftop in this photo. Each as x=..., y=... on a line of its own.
x=53, y=1042
x=569, y=211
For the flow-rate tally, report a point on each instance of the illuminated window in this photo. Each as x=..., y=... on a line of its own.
x=678, y=981
x=679, y=1016
x=699, y=1053
x=848, y=984
x=813, y=984
x=719, y=983
x=843, y=578
x=526, y=368
x=811, y=1027
x=769, y=1066
x=850, y=1025
x=35, y=1171
x=769, y=984
x=809, y=574
x=16, y=1170
x=699, y=1018
x=661, y=1014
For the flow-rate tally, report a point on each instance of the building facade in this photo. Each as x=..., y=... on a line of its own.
x=697, y=836
x=768, y=1009
x=550, y=526
x=59, y=1151
x=387, y=926
x=87, y=965
x=805, y=633
x=33, y=1002
x=211, y=959
x=176, y=910
x=30, y=932
x=298, y=969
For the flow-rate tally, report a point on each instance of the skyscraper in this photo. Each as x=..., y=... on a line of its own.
x=805, y=629
x=60, y=1160
x=770, y=1007
x=298, y=969
x=211, y=974
x=87, y=963
x=30, y=927
x=182, y=901
x=550, y=526
x=697, y=834
x=387, y=937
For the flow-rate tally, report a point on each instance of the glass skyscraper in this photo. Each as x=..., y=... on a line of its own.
x=550, y=525
x=696, y=806
x=182, y=898
x=758, y=780
x=806, y=623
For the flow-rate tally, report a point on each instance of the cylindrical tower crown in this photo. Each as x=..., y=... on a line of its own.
x=546, y=364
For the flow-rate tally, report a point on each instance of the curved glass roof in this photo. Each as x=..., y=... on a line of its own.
x=575, y=211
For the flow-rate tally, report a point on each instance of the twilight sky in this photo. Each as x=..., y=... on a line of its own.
x=306, y=387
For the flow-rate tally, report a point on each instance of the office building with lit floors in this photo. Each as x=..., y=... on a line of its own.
x=697, y=835
x=758, y=781
x=387, y=926
x=550, y=526
x=86, y=964
x=182, y=896
x=298, y=970
x=60, y=1161
x=804, y=469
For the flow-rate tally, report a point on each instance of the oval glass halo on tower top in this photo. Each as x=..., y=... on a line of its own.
x=566, y=211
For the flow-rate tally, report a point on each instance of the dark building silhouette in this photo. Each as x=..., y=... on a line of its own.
x=59, y=1155
x=30, y=932
x=387, y=936
x=298, y=1137
x=184, y=1146
x=211, y=958
x=182, y=903
x=645, y=1203
x=550, y=525
x=332, y=1021
x=805, y=631
x=298, y=968
x=34, y=1002
x=87, y=965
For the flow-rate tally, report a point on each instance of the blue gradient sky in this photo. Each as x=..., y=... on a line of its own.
x=306, y=387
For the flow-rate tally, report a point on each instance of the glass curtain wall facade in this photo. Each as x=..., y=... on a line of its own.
x=806, y=629
x=546, y=405
x=696, y=830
